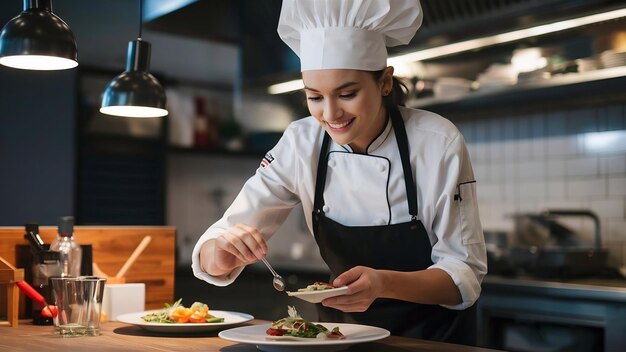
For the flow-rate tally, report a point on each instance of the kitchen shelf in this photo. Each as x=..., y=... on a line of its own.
x=565, y=86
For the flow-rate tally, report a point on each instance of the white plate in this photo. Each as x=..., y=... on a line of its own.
x=255, y=334
x=230, y=319
x=318, y=296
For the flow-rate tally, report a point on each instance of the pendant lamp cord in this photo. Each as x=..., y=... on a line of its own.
x=140, y=17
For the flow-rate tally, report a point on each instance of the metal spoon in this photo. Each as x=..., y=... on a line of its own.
x=278, y=281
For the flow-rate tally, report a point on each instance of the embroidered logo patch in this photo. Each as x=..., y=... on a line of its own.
x=267, y=160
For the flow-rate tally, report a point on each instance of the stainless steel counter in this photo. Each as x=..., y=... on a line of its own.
x=530, y=314
x=592, y=289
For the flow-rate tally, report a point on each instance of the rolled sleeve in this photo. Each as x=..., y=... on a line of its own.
x=465, y=280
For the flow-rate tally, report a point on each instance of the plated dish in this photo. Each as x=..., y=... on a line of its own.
x=177, y=313
x=317, y=286
x=295, y=327
x=256, y=335
x=230, y=319
x=316, y=296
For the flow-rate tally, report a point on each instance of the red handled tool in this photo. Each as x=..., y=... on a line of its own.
x=48, y=310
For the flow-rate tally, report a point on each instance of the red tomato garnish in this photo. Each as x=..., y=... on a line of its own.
x=275, y=332
x=335, y=335
x=322, y=283
x=50, y=311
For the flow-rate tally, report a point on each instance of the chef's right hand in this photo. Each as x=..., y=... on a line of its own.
x=238, y=246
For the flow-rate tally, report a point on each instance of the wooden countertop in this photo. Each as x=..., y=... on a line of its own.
x=118, y=336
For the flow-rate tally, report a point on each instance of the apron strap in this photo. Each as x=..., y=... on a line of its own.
x=403, y=148
x=320, y=182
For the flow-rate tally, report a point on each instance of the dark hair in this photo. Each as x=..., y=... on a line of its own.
x=399, y=90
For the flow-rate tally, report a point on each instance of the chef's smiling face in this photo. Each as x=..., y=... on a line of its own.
x=348, y=104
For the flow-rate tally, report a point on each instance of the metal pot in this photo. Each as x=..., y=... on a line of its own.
x=543, y=247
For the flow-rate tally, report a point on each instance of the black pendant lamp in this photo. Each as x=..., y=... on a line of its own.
x=37, y=39
x=135, y=92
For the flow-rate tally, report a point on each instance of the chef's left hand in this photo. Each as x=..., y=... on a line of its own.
x=364, y=286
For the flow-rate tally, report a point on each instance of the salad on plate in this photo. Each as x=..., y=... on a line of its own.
x=176, y=313
x=294, y=326
x=317, y=286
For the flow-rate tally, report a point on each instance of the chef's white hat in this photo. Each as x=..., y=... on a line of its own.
x=347, y=34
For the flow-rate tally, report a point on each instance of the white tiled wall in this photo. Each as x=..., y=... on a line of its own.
x=566, y=159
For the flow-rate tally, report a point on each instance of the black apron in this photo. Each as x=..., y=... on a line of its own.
x=400, y=247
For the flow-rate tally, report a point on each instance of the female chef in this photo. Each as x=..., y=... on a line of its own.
x=388, y=192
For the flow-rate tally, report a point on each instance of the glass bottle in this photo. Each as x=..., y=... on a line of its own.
x=201, y=125
x=70, y=252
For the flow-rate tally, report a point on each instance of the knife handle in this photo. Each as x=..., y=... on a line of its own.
x=30, y=292
x=35, y=240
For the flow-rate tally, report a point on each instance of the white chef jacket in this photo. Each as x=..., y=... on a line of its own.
x=369, y=190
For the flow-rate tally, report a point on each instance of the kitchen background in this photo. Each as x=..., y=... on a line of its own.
x=548, y=136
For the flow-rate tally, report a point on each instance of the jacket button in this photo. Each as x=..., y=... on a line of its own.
x=382, y=167
x=332, y=163
x=325, y=208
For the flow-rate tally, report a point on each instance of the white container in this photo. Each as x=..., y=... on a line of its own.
x=123, y=298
